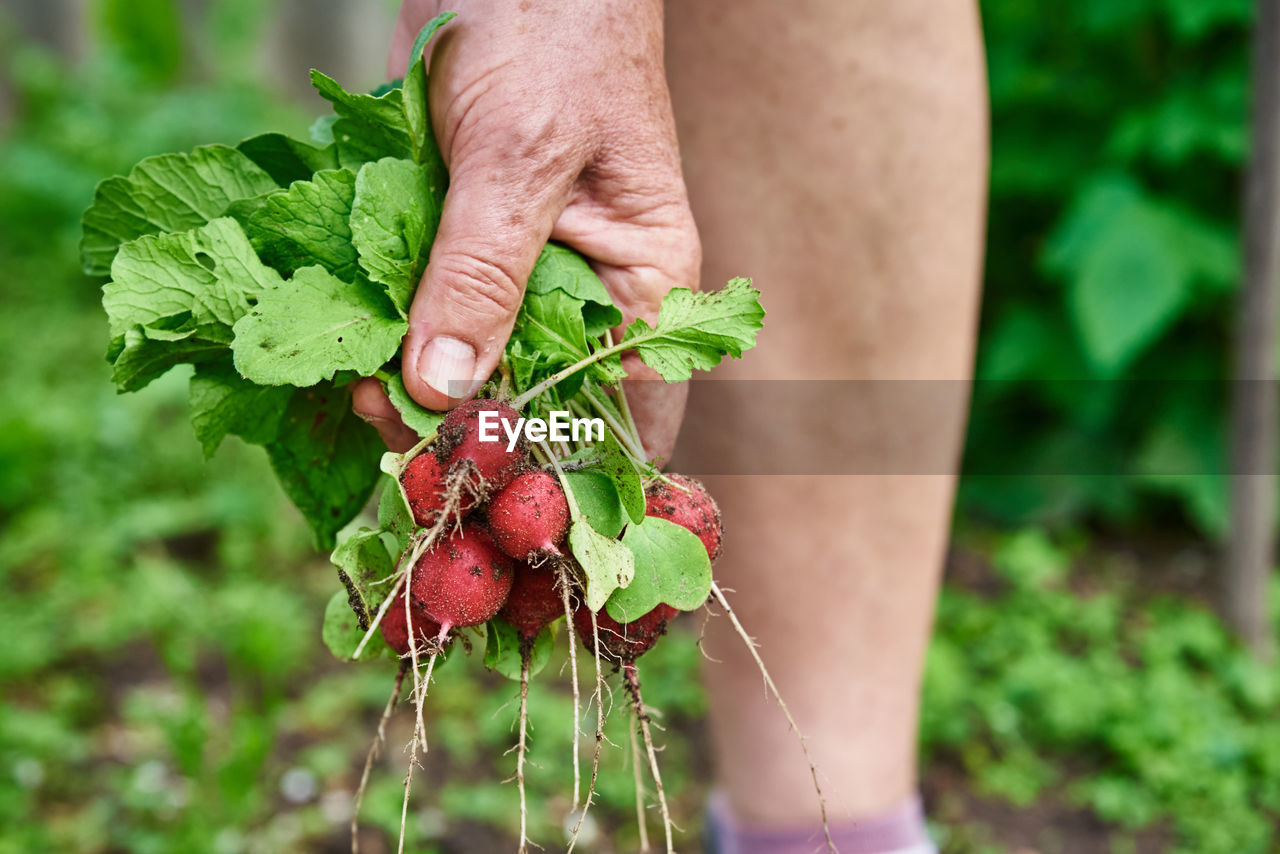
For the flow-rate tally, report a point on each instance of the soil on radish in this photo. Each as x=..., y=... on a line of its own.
x=623, y=643
x=464, y=580
x=458, y=442
x=529, y=518
x=693, y=509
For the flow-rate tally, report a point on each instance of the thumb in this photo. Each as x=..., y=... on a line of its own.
x=491, y=232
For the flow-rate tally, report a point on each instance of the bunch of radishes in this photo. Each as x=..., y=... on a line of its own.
x=504, y=521
x=490, y=545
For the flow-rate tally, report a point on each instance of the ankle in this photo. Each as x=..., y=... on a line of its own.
x=899, y=830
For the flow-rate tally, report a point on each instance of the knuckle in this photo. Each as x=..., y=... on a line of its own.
x=478, y=287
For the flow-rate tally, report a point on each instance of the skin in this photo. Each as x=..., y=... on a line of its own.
x=836, y=151
x=555, y=122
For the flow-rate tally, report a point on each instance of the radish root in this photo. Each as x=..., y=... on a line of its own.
x=632, y=678
x=520, y=751
x=641, y=825
x=378, y=739
x=595, y=758
x=773, y=689
x=573, y=675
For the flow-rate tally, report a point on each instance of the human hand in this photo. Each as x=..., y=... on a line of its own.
x=555, y=122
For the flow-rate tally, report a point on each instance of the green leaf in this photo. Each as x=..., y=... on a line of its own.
x=342, y=633
x=364, y=565
x=286, y=159
x=393, y=222
x=368, y=127
x=671, y=566
x=416, y=114
x=552, y=325
x=169, y=192
x=597, y=498
x=143, y=354
x=502, y=649
x=696, y=330
x=223, y=403
x=326, y=459
x=315, y=325
x=613, y=461
x=394, y=515
x=559, y=267
x=305, y=225
x=416, y=417
x=606, y=563
x=211, y=272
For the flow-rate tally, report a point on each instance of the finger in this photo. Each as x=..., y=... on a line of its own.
x=371, y=403
x=492, y=229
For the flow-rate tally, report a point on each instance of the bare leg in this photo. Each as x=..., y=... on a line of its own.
x=835, y=150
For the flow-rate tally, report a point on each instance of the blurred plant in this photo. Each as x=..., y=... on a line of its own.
x=1112, y=258
x=1139, y=707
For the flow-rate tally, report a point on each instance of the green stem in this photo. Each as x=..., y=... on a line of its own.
x=622, y=399
x=599, y=355
x=626, y=439
x=575, y=513
x=408, y=455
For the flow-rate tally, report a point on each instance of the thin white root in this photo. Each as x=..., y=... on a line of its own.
x=419, y=689
x=408, y=783
x=641, y=825
x=773, y=689
x=595, y=758
x=378, y=739
x=573, y=676
x=422, y=700
x=520, y=751
x=633, y=686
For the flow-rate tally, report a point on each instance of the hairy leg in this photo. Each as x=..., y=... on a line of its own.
x=835, y=150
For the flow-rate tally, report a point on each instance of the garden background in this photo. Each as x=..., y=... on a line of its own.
x=163, y=683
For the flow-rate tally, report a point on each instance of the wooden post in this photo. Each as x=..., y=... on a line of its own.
x=1251, y=550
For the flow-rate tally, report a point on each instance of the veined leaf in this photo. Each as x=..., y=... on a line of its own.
x=307, y=224
x=393, y=221
x=211, y=272
x=368, y=127
x=313, y=326
x=559, y=267
x=165, y=193
x=696, y=330
x=606, y=563
x=326, y=459
x=286, y=159
x=671, y=567
x=224, y=403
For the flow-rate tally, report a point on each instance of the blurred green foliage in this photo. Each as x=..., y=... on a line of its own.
x=1138, y=707
x=1119, y=136
x=164, y=685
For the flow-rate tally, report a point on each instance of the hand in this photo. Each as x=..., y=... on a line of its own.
x=555, y=122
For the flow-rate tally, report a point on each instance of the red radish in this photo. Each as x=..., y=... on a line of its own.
x=623, y=642
x=534, y=603
x=395, y=630
x=458, y=442
x=464, y=580
x=427, y=489
x=530, y=516
x=690, y=506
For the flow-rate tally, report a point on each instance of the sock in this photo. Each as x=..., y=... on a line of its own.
x=901, y=830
